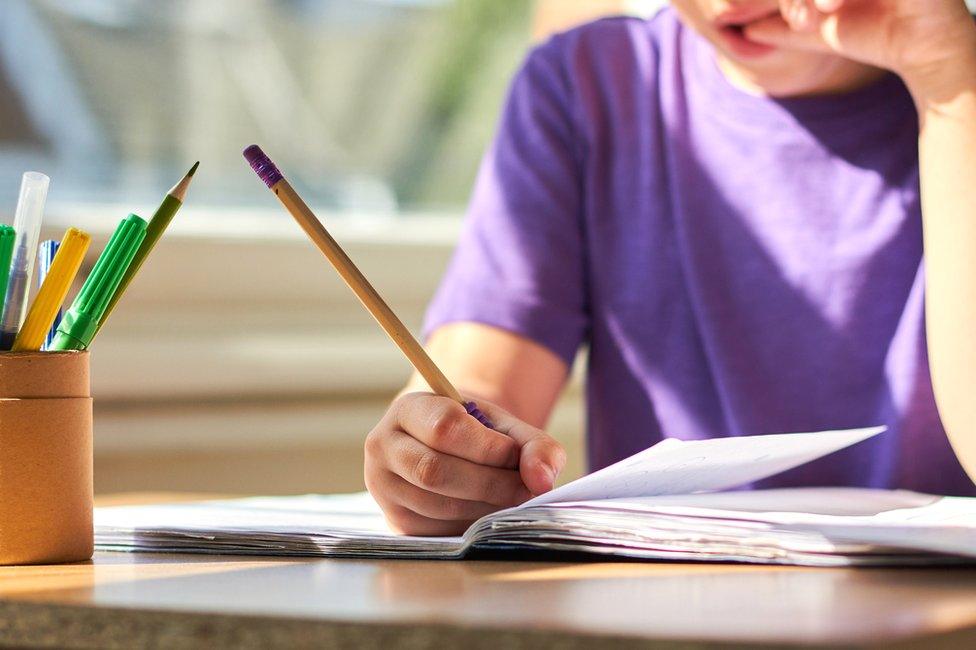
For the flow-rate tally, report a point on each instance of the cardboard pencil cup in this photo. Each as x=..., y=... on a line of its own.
x=45, y=458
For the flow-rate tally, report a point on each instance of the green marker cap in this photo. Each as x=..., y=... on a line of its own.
x=7, y=237
x=80, y=323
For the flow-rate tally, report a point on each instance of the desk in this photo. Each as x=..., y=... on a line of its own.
x=191, y=601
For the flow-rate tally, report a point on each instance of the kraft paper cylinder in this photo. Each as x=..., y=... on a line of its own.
x=28, y=375
x=45, y=458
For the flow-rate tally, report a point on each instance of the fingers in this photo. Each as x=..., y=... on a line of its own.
x=444, y=425
x=793, y=11
x=829, y=6
x=773, y=31
x=807, y=15
x=800, y=15
x=407, y=522
x=450, y=476
x=402, y=519
x=541, y=459
x=776, y=31
x=541, y=462
x=431, y=505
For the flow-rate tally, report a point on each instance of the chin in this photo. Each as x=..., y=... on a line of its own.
x=779, y=65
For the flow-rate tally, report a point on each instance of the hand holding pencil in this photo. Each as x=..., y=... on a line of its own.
x=434, y=470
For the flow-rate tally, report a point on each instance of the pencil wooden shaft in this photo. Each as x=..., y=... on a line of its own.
x=376, y=306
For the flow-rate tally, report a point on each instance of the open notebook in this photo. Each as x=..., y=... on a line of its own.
x=663, y=503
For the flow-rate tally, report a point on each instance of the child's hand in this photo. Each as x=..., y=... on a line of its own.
x=913, y=38
x=434, y=469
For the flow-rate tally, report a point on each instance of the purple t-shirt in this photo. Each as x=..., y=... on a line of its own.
x=734, y=264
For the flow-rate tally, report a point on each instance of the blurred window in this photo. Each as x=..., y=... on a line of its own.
x=368, y=105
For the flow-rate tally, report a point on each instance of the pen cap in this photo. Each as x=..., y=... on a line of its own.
x=81, y=321
x=7, y=236
x=27, y=223
x=112, y=263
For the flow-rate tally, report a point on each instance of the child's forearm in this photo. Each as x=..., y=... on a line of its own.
x=947, y=156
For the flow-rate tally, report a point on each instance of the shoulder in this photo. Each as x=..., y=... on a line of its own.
x=622, y=33
x=605, y=59
x=610, y=45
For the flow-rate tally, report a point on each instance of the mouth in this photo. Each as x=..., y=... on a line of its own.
x=739, y=18
x=732, y=28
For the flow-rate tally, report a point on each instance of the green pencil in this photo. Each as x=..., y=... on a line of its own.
x=157, y=226
x=7, y=236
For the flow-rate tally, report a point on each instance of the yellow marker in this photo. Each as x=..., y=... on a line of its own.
x=53, y=291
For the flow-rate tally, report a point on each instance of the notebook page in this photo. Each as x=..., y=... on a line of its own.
x=312, y=524
x=685, y=467
x=943, y=525
x=352, y=514
x=821, y=526
x=779, y=504
x=891, y=518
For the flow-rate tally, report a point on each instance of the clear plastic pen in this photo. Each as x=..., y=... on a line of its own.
x=27, y=223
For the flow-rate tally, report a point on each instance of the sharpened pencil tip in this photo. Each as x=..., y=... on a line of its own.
x=178, y=191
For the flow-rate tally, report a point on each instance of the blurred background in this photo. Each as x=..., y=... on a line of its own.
x=238, y=362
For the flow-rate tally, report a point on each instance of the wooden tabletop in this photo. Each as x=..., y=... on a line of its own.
x=184, y=601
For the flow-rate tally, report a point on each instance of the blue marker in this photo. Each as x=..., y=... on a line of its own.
x=45, y=255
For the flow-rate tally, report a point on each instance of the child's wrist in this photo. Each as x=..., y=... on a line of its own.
x=938, y=82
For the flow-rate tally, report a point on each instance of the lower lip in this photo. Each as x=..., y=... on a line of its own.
x=742, y=46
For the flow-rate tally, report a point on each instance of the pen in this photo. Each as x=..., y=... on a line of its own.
x=45, y=257
x=374, y=304
x=7, y=235
x=157, y=226
x=80, y=322
x=53, y=291
x=27, y=223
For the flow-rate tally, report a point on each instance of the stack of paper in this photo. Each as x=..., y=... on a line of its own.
x=658, y=504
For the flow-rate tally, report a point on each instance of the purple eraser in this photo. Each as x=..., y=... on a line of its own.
x=262, y=165
x=476, y=413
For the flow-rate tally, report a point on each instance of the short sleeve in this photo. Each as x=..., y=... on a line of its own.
x=519, y=262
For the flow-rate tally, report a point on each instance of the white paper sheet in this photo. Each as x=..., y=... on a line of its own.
x=686, y=467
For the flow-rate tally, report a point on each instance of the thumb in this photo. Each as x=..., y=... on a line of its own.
x=541, y=458
x=777, y=32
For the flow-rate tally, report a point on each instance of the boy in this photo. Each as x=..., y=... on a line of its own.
x=727, y=205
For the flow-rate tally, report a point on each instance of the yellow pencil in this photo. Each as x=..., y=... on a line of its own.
x=53, y=291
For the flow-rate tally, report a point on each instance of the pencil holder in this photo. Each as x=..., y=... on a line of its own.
x=45, y=458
